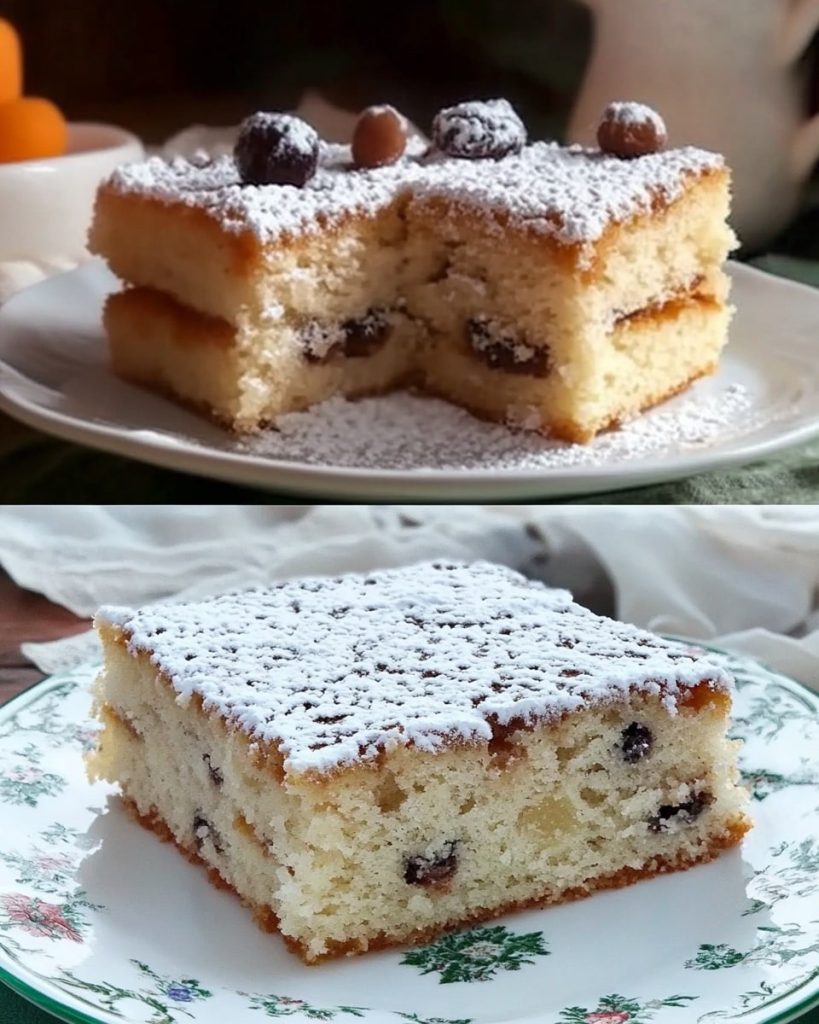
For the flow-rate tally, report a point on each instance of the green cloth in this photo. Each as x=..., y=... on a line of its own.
x=15, y=1010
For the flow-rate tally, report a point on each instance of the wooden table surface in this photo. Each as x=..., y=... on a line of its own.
x=25, y=616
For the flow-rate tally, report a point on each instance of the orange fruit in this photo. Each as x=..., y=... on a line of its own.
x=11, y=63
x=31, y=129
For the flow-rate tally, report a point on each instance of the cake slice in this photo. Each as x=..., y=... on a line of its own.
x=557, y=288
x=371, y=759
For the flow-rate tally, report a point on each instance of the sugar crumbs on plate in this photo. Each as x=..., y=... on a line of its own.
x=405, y=432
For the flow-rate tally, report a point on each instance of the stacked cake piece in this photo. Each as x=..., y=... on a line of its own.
x=561, y=289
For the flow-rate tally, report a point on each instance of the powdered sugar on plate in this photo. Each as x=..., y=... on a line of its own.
x=408, y=432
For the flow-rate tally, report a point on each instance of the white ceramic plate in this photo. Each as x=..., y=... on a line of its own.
x=101, y=922
x=53, y=375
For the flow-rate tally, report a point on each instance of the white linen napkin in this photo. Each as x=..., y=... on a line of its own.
x=745, y=578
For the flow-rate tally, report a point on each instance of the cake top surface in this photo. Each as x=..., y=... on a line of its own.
x=333, y=671
x=570, y=194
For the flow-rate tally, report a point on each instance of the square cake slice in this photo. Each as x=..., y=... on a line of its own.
x=371, y=759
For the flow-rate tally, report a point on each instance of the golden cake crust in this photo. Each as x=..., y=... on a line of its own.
x=570, y=194
x=115, y=211
x=569, y=257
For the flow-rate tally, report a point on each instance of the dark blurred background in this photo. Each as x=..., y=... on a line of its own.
x=157, y=65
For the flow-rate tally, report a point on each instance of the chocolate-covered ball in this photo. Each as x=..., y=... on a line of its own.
x=276, y=149
x=479, y=129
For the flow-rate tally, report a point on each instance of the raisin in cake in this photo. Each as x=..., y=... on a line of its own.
x=564, y=289
x=371, y=759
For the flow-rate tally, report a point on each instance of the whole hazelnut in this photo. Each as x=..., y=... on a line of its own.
x=379, y=138
x=630, y=130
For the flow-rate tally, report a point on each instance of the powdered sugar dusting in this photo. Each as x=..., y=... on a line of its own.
x=333, y=671
x=631, y=113
x=298, y=133
x=319, y=340
x=388, y=108
x=568, y=193
x=477, y=128
x=406, y=432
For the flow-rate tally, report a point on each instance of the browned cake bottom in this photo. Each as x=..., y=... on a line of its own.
x=266, y=919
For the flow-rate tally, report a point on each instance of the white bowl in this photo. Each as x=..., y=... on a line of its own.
x=46, y=205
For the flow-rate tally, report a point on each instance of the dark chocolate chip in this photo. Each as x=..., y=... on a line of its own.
x=686, y=812
x=432, y=870
x=202, y=831
x=366, y=334
x=216, y=776
x=478, y=130
x=276, y=149
x=352, y=339
x=503, y=350
x=637, y=741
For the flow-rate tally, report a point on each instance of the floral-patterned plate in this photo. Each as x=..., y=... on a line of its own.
x=100, y=922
